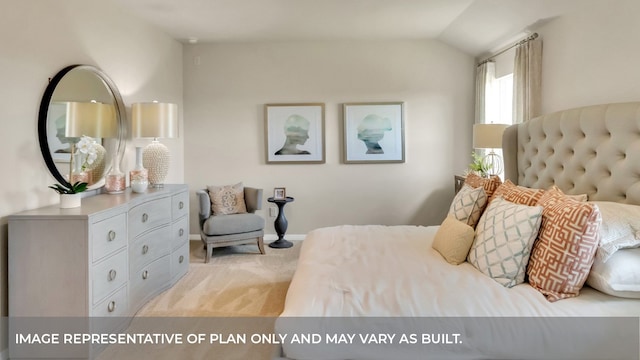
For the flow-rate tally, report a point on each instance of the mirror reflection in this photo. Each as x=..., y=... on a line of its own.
x=80, y=125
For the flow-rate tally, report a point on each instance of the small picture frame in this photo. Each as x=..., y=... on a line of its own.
x=279, y=193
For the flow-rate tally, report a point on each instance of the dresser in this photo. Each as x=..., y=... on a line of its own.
x=106, y=258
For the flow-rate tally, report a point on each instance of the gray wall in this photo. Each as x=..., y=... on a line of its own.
x=227, y=85
x=39, y=38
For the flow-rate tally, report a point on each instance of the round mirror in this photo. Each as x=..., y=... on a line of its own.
x=81, y=125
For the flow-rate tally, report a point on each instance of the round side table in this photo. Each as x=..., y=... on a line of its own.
x=281, y=223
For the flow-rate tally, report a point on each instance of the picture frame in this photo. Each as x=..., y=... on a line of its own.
x=294, y=133
x=59, y=145
x=373, y=132
x=279, y=193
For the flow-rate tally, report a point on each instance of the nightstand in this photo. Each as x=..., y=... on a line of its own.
x=458, y=182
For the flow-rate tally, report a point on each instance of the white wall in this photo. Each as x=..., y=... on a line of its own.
x=227, y=85
x=590, y=56
x=39, y=38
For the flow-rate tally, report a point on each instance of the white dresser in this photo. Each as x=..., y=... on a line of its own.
x=106, y=258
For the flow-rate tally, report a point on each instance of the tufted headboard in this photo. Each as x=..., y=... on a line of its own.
x=593, y=150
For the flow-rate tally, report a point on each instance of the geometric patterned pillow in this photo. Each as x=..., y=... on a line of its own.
x=228, y=199
x=518, y=194
x=504, y=237
x=468, y=205
x=488, y=184
x=564, y=252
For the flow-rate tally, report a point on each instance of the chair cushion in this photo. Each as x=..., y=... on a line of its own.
x=232, y=224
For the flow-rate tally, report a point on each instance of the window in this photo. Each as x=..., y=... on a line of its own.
x=504, y=88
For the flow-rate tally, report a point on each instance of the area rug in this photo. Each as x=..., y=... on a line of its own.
x=237, y=281
x=239, y=292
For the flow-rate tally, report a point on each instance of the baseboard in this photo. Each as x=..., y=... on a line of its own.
x=267, y=237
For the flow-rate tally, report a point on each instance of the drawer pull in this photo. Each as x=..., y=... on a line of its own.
x=145, y=217
x=181, y=232
x=112, y=235
x=181, y=205
x=112, y=274
x=181, y=259
x=145, y=249
x=112, y=306
x=145, y=274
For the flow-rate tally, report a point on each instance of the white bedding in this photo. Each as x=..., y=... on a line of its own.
x=392, y=271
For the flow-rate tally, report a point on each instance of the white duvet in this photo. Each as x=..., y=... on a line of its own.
x=357, y=272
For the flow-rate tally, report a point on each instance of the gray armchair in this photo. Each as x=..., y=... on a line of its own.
x=236, y=229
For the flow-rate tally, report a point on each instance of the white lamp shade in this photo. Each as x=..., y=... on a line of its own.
x=92, y=119
x=488, y=136
x=154, y=120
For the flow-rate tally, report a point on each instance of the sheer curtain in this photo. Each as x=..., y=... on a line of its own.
x=485, y=79
x=527, y=73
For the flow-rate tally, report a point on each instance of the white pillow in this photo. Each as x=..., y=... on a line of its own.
x=468, y=205
x=620, y=228
x=504, y=237
x=619, y=276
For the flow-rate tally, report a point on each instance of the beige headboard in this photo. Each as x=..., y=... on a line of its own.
x=593, y=150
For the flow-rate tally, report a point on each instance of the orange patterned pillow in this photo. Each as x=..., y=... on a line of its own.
x=563, y=254
x=518, y=194
x=488, y=184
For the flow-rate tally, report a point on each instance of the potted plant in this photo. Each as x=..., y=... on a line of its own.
x=70, y=194
x=479, y=165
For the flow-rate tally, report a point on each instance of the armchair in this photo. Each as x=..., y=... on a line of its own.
x=225, y=230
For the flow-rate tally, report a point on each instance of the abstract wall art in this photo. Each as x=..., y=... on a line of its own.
x=294, y=133
x=374, y=132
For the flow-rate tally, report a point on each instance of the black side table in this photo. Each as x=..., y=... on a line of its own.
x=281, y=223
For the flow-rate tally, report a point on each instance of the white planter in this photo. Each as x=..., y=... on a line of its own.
x=70, y=200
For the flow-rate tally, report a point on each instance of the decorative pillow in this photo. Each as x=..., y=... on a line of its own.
x=518, y=194
x=620, y=228
x=468, y=205
x=227, y=200
x=566, y=245
x=619, y=276
x=453, y=240
x=504, y=237
x=488, y=184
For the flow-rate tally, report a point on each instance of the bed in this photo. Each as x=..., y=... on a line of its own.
x=359, y=291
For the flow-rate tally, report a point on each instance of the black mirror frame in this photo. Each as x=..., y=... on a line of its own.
x=44, y=111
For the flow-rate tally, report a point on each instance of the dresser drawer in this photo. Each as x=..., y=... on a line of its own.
x=180, y=205
x=116, y=304
x=149, y=215
x=180, y=262
x=150, y=247
x=109, y=275
x=150, y=280
x=107, y=236
x=180, y=233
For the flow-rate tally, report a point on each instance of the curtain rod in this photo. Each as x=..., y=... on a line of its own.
x=523, y=41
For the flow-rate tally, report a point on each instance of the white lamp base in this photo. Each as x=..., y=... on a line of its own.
x=155, y=159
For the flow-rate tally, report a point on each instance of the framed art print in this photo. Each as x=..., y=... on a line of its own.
x=374, y=132
x=294, y=133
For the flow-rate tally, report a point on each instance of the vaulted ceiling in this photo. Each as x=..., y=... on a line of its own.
x=473, y=26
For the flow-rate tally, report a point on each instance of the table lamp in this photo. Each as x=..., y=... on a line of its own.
x=489, y=136
x=93, y=119
x=155, y=120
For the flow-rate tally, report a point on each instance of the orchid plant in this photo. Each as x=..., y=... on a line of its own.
x=88, y=147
